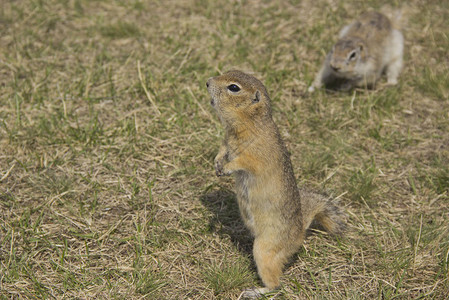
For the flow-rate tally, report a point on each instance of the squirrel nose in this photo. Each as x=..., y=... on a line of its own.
x=335, y=68
x=208, y=82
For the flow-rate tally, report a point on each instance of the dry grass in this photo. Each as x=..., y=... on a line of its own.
x=107, y=187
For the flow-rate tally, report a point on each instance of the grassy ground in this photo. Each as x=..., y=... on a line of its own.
x=107, y=187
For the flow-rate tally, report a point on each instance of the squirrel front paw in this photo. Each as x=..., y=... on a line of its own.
x=219, y=169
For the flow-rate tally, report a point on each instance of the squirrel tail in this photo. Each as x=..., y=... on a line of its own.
x=316, y=207
x=397, y=16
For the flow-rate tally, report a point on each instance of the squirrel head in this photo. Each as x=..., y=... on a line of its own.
x=238, y=97
x=346, y=55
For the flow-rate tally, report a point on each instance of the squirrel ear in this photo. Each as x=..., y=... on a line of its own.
x=360, y=47
x=256, y=97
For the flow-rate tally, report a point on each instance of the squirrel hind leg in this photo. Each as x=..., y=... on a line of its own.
x=270, y=259
x=393, y=70
x=395, y=53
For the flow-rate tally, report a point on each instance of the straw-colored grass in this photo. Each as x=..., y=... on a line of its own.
x=107, y=188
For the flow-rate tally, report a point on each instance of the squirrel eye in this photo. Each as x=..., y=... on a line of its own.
x=352, y=55
x=233, y=88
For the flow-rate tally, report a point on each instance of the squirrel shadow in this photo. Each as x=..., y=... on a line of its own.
x=226, y=220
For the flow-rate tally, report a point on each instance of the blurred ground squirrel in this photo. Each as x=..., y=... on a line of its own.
x=271, y=205
x=366, y=49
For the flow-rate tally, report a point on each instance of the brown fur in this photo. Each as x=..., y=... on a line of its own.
x=272, y=207
x=366, y=48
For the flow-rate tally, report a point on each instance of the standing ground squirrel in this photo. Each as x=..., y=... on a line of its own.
x=273, y=208
x=365, y=49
